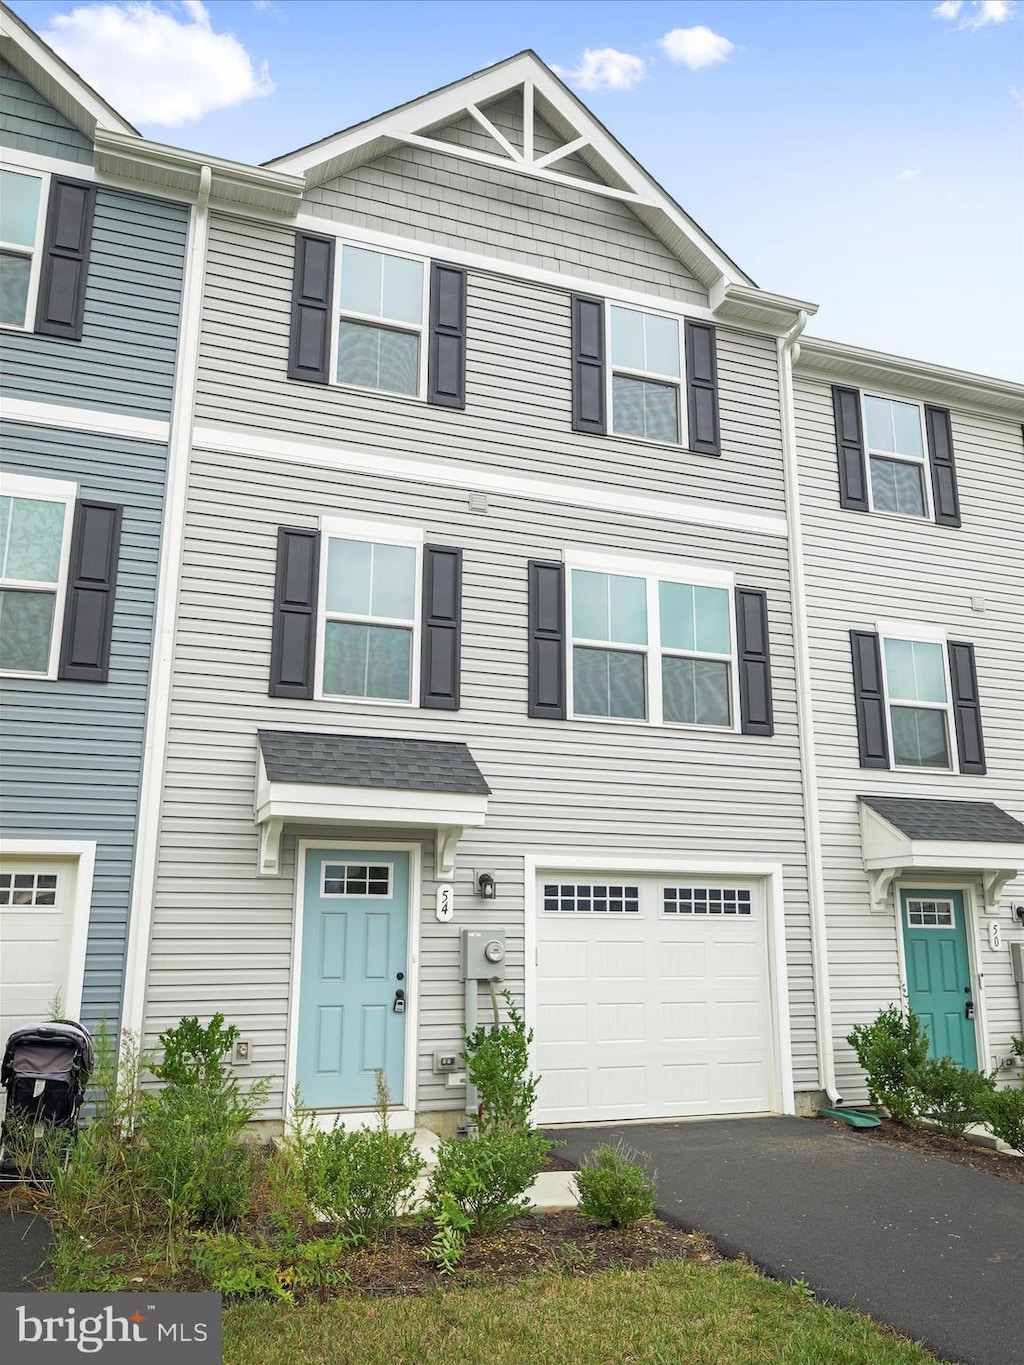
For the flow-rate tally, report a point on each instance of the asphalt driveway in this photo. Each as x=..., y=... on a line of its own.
x=934, y=1249
x=24, y=1247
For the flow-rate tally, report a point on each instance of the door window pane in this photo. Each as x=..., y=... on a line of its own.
x=376, y=358
x=694, y=618
x=897, y=487
x=695, y=691
x=26, y=620
x=367, y=661
x=608, y=682
x=19, y=208
x=31, y=531
x=643, y=408
x=919, y=737
x=365, y=579
x=15, y=272
x=609, y=607
x=915, y=670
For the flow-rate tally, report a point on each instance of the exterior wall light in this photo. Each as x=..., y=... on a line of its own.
x=485, y=886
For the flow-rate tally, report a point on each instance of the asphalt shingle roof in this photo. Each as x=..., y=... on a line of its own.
x=424, y=765
x=922, y=818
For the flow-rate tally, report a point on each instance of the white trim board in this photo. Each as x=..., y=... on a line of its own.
x=93, y=420
x=367, y=460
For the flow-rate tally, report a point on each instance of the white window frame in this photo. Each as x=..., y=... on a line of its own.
x=379, y=322
x=923, y=463
x=35, y=253
x=653, y=572
x=926, y=635
x=935, y=900
x=381, y=533
x=44, y=490
x=678, y=381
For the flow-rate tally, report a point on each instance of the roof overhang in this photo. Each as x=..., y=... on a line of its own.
x=748, y=306
x=833, y=360
x=448, y=814
x=890, y=853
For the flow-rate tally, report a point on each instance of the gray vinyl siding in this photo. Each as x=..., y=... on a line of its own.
x=865, y=567
x=125, y=361
x=29, y=123
x=222, y=935
x=518, y=386
x=73, y=750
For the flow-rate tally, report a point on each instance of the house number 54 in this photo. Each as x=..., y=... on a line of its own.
x=445, y=903
x=995, y=935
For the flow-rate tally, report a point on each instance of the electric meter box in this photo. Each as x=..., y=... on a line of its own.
x=483, y=954
x=1017, y=962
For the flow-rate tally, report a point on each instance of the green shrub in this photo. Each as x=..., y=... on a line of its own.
x=497, y=1063
x=891, y=1050
x=238, y=1268
x=953, y=1095
x=1004, y=1113
x=360, y=1180
x=1017, y=1046
x=449, y=1240
x=487, y=1176
x=615, y=1188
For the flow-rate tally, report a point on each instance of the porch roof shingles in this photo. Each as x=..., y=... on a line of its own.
x=369, y=761
x=960, y=821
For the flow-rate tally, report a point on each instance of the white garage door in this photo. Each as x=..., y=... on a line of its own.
x=35, y=931
x=652, y=998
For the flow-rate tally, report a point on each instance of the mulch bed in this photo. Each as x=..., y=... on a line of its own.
x=933, y=1143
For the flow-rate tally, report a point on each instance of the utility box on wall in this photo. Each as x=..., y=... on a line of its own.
x=1017, y=962
x=483, y=954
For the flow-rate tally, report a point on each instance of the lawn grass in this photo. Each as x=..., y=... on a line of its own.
x=675, y=1313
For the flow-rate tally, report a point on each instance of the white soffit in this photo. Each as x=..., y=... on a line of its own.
x=890, y=853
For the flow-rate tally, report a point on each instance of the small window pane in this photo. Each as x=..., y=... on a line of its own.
x=19, y=208
x=365, y=579
x=394, y=581
x=906, y=422
x=678, y=628
x=609, y=607
x=916, y=670
x=609, y=682
x=376, y=358
x=695, y=691
x=361, y=281
x=919, y=737
x=403, y=290
x=15, y=272
x=643, y=408
x=348, y=576
x=31, y=530
x=897, y=487
x=26, y=620
x=694, y=618
x=878, y=412
x=367, y=661
x=711, y=607
x=662, y=337
x=628, y=338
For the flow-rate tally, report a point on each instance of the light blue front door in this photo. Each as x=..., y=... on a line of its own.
x=353, y=965
x=939, y=983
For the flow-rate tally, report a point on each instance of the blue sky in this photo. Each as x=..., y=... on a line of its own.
x=866, y=156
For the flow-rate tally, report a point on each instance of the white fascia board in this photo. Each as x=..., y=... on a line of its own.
x=232, y=182
x=318, y=803
x=955, y=854
x=916, y=378
x=746, y=305
x=55, y=80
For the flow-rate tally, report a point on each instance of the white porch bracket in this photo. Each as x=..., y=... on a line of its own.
x=993, y=882
x=880, y=879
x=270, y=846
x=447, y=841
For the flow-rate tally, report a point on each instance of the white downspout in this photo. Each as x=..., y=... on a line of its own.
x=171, y=547
x=788, y=352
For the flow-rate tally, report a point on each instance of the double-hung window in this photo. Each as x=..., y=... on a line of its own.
x=646, y=375
x=22, y=206
x=896, y=456
x=917, y=690
x=382, y=304
x=651, y=643
x=370, y=586
x=35, y=539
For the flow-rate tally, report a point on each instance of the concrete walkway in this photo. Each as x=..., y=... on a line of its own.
x=934, y=1249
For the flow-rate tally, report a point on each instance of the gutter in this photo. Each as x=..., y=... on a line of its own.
x=788, y=348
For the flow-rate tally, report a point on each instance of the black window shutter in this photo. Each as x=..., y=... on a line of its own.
x=966, y=708
x=309, y=349
x=702, y=388
x=853, y=486
x=872, y=734
x=940, y=457
x=442, y=628
x=293, y=644
x=89, y=607
x=588, y=361
x=754, y=662
x=546, y=611
x=446, y=356
x=65, y=264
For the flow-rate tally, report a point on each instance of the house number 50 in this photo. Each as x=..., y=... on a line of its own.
x=995, y=935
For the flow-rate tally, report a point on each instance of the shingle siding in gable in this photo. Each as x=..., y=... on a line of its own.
x=126, y=358
x=73, y=751
x=28, y=123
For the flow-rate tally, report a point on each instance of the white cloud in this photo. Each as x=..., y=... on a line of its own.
x=154, y=66
x=696, y=47
x=980, y=12
x=603, y=68
x=908, y=175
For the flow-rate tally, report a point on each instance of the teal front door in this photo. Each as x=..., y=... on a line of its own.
x=354, y=961
x=939, y=983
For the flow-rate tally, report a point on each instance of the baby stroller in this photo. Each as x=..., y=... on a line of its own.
x=44, y=1071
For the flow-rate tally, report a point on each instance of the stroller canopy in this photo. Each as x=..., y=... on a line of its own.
x=52, y=1051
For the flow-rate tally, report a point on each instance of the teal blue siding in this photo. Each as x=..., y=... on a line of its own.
x=73, y=751
x=126, y=358
x=28, y=123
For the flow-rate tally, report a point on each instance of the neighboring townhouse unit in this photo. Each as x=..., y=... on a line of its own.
x=95, y=226
x=485, y=623
x=912, y=499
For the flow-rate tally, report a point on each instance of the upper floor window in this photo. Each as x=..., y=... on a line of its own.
x=21, y=218
x=918, y=701
x=895, y=443
x=645, y=375
x=35, y=538
x=380, y=327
